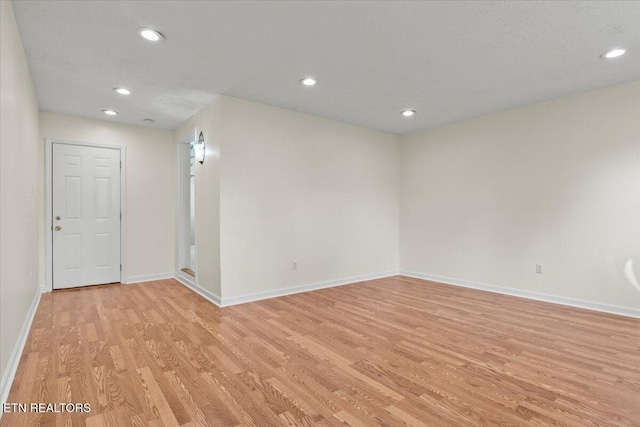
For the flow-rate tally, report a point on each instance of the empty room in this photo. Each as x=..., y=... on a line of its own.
x=319, y=213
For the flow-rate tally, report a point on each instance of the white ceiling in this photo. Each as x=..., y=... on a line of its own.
x=447, y=60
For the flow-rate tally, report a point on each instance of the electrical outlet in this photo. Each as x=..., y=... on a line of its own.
x=539, y=268
x=294, y=265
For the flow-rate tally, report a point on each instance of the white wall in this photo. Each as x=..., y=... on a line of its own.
x=20, y=156
x=150, y=187
x=556, y=183
x=207, y=200
x=299, y=187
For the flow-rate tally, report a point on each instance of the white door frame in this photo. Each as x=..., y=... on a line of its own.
x=48, y=177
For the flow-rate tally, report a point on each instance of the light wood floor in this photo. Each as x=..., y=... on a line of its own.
x=393, y=352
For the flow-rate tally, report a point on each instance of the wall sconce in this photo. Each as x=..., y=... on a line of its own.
x=199, y=149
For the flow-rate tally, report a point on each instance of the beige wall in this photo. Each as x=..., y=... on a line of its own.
x=299, y=187
x=150, y=187
x=207, y=189
x=556, y=183
x=20, y=156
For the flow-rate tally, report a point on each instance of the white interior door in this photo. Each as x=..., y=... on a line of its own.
x=86, y=215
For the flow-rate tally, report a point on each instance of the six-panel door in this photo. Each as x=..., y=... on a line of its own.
x=86, y=215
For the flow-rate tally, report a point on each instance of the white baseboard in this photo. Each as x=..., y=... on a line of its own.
x=190, y=283
x=16, y=354
x=589, y=305
x=149, y=277
x=186, y=279
x=303, y=288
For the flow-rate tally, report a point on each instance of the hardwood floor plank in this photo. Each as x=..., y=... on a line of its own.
x=394, y=351
x=154, y=398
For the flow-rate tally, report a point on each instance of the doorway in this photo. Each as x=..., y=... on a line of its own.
x=187, y=264
x=84, y=215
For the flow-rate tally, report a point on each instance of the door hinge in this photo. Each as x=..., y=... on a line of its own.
x=120, y=164
x=120, y=267
x=120, y=216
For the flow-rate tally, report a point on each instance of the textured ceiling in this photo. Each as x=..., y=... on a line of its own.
x=447, y=60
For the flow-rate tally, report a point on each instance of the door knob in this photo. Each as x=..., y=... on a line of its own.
x=58, y=217
x=58, y=228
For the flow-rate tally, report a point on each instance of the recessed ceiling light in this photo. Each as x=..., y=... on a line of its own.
x=122, y=91
x=613, y=53
x=110, y=112
x=150, y=34
x=408, y=113
x=148, y=120
x=308, y=81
